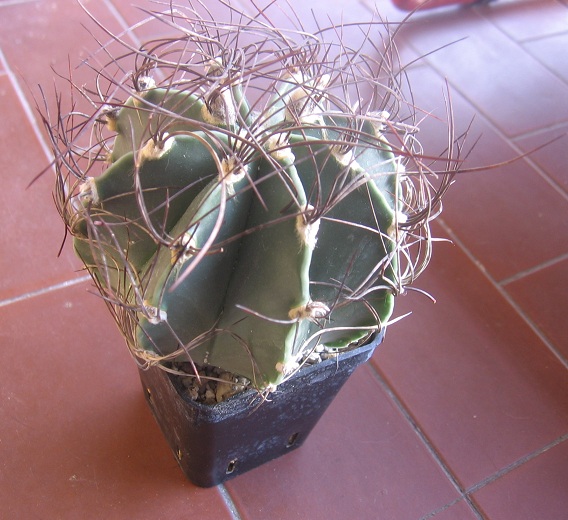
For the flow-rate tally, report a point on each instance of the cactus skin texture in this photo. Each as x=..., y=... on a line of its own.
x=249, y=305
x=241, y=226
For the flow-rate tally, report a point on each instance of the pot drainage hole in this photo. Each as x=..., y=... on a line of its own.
x=292, y=439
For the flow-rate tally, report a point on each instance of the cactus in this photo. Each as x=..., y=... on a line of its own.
x=251, y=207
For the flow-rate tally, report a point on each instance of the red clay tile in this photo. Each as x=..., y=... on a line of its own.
x=313, y=15
x=38, y=38
x=536, y=489
x=510, y=219
x=553, y=157
x=322, y=13
x=543, y=296
x=512, y=89
x=278, y=14
x=458, y=511
x=31, y=228
x=527, y=19
x=483, y=387
x=78, y=440
x=361, y=461
x=483, y=208
x=140, y=14
x=552, y=52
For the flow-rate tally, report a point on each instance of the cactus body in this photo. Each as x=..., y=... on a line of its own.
x=142, y=116
x=267, y=270
x=244, y=233
x=168, y=180
x=270, y=241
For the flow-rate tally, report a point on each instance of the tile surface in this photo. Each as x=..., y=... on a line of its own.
x=552, y=157
x=537, y=489
x=527, y=19
x=552, y=52
x=361, y=460
x=463, y=412
x=493, y=72
x=44, y=40
x=483, y=207
x=547, y=312
x=32, y=230
x=458, y=511
x=78, y=440
x=482, y=385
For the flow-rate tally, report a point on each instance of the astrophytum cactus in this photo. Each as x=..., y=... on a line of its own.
x=256, y=201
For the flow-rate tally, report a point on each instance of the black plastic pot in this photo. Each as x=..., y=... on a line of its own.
x=215, y=443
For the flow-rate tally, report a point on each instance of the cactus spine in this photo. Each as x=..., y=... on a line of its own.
x=242, y=230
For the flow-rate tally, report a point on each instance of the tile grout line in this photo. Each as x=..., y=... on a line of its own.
x=25, y=105
x=511, y=467
x=510, y=140
x=434, y=453
x=8, y=3
x=45, y=290
x=516, y=464
x=532, y=270
x=540, y=37
x=545, y=65
x=504, y=294
x=117, y=16
x=8, y=72
x=445, y=507
x=561, y=127
x=482, y=10
x=126, y=28
x=226, y=496
x=465, y=494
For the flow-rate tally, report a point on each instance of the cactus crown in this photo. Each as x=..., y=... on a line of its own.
x=247, y=194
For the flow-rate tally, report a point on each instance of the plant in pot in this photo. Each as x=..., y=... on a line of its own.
x=249, y=201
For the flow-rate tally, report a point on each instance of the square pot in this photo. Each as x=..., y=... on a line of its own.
x=213, y=443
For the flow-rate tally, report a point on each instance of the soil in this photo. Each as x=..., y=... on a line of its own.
x=215, y=385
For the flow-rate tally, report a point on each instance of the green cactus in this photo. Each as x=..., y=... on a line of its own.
x=242, y=230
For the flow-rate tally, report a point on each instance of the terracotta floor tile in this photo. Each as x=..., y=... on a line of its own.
x=334, y=12
x=361, y=461
x=553, y=157
x=483, y=208
x=512, y=89
x=360, y=10
x=549, y=310
x=76, y=437
x=134, y=13
x=536, y=489
x=483, y=211
x=78, y=440
x=271, y=13
x=140, y=14
x=552, y=52
x=480, y=383
x=40, y=37
x=527, y=19
x=328, y=12
x=458, y=511
x=31, y=228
